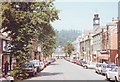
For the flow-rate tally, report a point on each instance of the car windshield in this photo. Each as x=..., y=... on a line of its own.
x=35, y=62
x=110, y=66
x=26, y=65
x=115, y=69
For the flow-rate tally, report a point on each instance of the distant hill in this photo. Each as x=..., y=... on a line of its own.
x=65, y=36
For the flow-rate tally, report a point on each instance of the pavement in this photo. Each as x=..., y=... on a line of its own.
x=64, y=70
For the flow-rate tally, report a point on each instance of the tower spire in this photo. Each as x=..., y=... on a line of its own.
x=96, y=20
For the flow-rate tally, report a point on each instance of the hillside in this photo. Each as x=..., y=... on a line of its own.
x=65, y=36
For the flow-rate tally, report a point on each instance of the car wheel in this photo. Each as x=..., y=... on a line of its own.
x=107, y=78
x=96, y=71
x=99, y=72
x=116, y=79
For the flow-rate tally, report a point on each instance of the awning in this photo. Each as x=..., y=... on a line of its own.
x=104, y=56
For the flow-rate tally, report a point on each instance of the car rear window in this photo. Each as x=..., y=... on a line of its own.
x=35, y=62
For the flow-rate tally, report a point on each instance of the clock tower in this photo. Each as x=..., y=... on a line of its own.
x=96, y=20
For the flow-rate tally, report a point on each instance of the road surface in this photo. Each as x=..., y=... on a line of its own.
x=64, y=70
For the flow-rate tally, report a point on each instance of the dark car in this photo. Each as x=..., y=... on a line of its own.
x=30, y=68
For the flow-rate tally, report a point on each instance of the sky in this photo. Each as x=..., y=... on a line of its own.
x=78, y=15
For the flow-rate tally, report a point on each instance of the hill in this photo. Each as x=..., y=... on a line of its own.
x=65, y=36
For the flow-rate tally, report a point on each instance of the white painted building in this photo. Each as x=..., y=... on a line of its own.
x=58, y=52
x=76, y=44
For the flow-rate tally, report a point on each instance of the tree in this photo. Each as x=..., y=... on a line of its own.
x=47, y=40
x=68, y=48
x=24, y=21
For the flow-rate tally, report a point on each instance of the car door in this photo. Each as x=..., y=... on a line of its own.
x=113, y=73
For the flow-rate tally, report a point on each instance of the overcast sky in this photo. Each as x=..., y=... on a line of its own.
x=78, y=15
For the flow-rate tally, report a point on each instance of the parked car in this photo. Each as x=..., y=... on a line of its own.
x=81, y=62
x=77, y=62
x=98, y=67
x=37, y=65
x=106, y=67
x=53, y=60
x=73, y=60
x=90, y=65
x=42, y=65
x=112, y=74
x=68, y=58
x=50, y=60
x=30, y=68
x=45, y=62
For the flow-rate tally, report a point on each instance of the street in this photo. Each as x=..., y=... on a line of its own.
x=64, y=70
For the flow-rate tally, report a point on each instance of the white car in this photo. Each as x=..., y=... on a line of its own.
x=42, y=65
x=36, y=64
x=90, y=65
x=98, y=67
x=112, y=74
x=106, y=67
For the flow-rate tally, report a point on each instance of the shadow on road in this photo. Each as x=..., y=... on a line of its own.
x=49, y=74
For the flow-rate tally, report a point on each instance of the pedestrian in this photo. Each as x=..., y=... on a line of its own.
x=6, y=67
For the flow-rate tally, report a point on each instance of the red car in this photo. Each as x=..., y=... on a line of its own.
x=81, y=62
x=73, y=60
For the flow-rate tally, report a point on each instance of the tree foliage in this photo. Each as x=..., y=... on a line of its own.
x=24, y=21
x=68, y=48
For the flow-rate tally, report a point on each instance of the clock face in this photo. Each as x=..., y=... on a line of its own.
x=96, y=21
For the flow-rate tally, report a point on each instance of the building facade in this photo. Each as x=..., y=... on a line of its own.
x=76, y=45
x=100, y=44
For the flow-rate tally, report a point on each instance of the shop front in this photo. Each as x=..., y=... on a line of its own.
x=103, y=58
x=6, y=56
